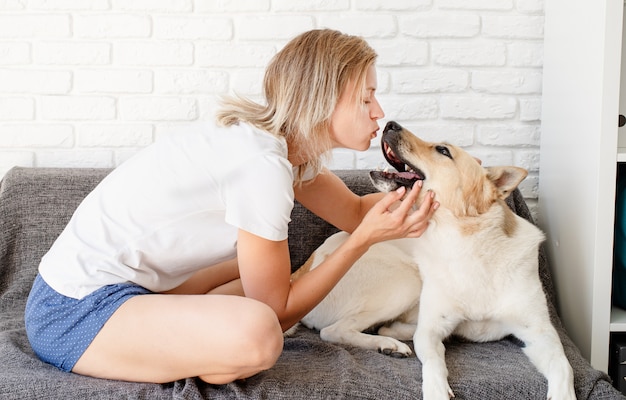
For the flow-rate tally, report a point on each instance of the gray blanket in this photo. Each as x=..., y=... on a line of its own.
x=35, y=205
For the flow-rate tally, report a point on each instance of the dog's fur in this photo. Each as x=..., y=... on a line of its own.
x=472, y=273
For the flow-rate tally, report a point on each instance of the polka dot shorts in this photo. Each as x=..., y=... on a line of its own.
x=61, y=328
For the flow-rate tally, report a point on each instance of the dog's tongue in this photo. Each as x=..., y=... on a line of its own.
x=408, y=175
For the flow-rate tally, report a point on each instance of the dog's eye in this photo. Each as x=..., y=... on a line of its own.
x=444, y=151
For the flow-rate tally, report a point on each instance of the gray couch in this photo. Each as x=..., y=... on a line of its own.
x=35, y=204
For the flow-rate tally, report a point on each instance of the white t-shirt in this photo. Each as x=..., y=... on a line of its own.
x=174, y=208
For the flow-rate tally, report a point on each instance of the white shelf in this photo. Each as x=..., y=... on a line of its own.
x=618, y=320
x=581, y=119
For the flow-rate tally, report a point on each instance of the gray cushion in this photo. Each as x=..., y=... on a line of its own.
x=35, y=205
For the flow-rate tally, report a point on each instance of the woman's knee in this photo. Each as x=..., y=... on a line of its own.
x=264, y=341
x=258, y=341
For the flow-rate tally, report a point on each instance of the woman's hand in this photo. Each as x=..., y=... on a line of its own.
x=384, y=223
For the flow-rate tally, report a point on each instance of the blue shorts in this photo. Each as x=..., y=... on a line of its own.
x=61, y=328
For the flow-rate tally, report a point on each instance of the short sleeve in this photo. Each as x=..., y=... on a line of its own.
x=259, y=196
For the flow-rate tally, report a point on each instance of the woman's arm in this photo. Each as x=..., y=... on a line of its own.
x=265, y=268
x=328, y=197
x=266, y=276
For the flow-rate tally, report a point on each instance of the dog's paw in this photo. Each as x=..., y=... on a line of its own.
x=439, y=394
x=291, y=331
x=392, y=347
x=437, y=389
x=394, y=353
x=562, y=393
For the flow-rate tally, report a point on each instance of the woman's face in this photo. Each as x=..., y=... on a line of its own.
x=353, y=126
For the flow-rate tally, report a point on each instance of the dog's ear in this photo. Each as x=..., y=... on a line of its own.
x=506, y=179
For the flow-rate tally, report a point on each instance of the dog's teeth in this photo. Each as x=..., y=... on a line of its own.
x=386, y=170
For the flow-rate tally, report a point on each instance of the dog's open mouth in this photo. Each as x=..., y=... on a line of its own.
x=407, y=174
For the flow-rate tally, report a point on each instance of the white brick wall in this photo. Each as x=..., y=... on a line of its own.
x=89, y=82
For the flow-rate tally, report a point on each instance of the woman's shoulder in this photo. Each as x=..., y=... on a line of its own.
x=254, y=141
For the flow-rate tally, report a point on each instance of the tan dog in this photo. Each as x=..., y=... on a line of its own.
x=477, y=274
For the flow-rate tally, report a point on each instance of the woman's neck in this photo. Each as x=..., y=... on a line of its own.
x=294, y=155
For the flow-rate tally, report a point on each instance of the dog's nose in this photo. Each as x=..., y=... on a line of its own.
x=393, y=126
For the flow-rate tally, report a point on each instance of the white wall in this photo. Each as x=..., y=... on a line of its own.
x=89, y=82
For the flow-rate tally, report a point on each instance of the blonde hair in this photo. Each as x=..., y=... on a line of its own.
x=302, y=85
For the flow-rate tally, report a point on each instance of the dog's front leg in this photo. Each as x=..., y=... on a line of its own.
x=544, y=349
x=429, y=348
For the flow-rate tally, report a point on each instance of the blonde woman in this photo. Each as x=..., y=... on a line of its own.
x=177, y=264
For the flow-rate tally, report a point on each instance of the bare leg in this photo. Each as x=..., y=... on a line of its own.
x=208, y=278
x=162, y=338
x=234, y=288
